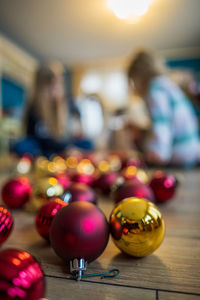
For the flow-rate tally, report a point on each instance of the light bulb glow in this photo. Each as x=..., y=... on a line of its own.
x=129, y=9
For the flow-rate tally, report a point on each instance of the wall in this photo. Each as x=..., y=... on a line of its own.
x=16, y=63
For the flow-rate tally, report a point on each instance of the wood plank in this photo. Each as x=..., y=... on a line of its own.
x=176, y=296
x=62, y=289
x=173, y=267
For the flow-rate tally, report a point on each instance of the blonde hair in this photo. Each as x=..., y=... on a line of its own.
x=52, y=113
x=144, y=66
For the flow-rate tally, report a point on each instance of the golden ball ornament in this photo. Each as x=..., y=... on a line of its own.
x=137, y=227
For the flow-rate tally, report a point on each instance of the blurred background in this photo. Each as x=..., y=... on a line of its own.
x=94, y=41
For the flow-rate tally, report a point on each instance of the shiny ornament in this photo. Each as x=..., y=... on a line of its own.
x=137, y=227
x=133, y=189
x=16, y=192
x=48, y=187
x=21, y=276
x=35, y=203
x=135, y=174
x=83, y=178
x=105, y=181
x=46, y=214
x=136, y=162
x=79, y=233
x=6, y=224
x=163, y=186
x=82, y=192
x=64, y=180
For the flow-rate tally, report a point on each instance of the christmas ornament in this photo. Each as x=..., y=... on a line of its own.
x=63, y=180
x=105, y=182
x=137, y=227
x=48, y=187
x=133, y=189
x=163, y=186
x=6, y=224
x=46, y=214
x=21, y=276
x=83, y=178
x=79, y=233
x=134, y=161
x=82, y=192
x=135, y=174
x=35, y=203
x=24, y=165
x=16, y=192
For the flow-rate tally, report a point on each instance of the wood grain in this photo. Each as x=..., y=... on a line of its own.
x=174, y=267
x=176, y=296
x=71, y=290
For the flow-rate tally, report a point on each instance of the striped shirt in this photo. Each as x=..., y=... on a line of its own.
x=174, y=135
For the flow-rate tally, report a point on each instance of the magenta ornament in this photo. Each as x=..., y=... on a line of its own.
x=6, y=223
x=45, y=216
x=82, y=192
x=16, y=192
x=133, y=189
x=21, y=276
x=79, y=233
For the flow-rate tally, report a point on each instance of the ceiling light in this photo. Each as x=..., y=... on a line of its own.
x=129, y=9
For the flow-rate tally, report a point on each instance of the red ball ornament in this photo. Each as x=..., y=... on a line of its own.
x=136, y=162
x=63, y=180
x=79, y=234
x=163, y=186
x=46, y=214
x=16, y=192
x=82, y=192
x=83, y=178
x=105, y=182
x=133, y=189
x=21, y=276
x=6, y=224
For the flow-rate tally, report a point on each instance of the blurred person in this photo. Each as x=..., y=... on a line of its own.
x=46, y=118
x=93, y=119
x=173, y=136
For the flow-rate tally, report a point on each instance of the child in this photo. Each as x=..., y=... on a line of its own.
x=173, y=137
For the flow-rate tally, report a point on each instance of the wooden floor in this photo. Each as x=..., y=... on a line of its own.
x=172, y=272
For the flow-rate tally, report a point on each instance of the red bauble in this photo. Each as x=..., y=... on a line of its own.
x=21, y=276
x=163, y=186
x=136, y=162
x=16, y=192
x=105, y=182
x=64, y=180
x=82, y=192
x=79, y=230
x=83, y=178
x=133, y=189
x=6, y=224
x=46, y=214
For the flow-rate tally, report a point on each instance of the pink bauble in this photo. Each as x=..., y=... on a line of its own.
x=79, y=230
x=83, y=178
x=6, y=224
x=163, y=186
x=133, y=189
x=82, y=192
x=64, y=180
x=16, y=192
x=105, y=182
x=46, y=214
x=21, y=276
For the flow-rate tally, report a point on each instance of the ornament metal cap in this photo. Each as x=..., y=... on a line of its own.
x=77, y=266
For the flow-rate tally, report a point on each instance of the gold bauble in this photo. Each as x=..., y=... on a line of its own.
x=35, y=203
x=137, y=227
x=48, y=187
